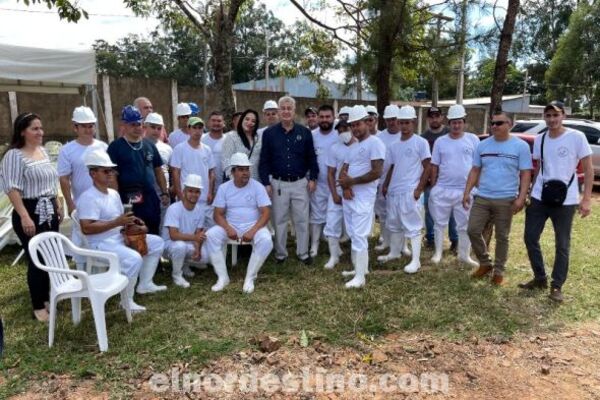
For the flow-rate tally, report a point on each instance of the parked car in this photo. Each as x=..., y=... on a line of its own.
x=590, y=129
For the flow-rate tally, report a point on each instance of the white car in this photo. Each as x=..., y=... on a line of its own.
x=591, y=129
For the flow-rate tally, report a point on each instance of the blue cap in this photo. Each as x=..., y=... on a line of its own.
x=194, y=107
x=130, y=114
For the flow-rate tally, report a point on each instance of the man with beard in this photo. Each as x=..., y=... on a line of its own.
x=324, y=137
x=311, y=117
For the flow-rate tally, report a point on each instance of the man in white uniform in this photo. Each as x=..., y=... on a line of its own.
x=388, y=136
x=181, y=134
x=372, y=123
x=183, y=230
x=214, y=139
x=405, y=181
x=194, y=157
x=74, y=176
x=102, y=219
x=362, y=168
x=270, y=114
x=451, y=162
x=242, y=211
x=324, y=137
x=343, y=113
x=335, y=215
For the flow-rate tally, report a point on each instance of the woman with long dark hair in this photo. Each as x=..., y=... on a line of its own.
x=30, y=181
x=244, y=140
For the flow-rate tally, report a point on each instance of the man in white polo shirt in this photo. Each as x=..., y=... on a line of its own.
x=183, y=230
x=408, y=160
x=242, y=211
x=362, y=168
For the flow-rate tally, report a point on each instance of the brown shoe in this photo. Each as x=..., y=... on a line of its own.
x=497, y=280
x=482, y=271
x=556, y=295
x=534, y=284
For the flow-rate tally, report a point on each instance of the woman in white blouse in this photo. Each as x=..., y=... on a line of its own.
x=30, y=181
x=243, y=140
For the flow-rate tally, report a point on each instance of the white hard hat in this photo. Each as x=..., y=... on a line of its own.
x=372, y=109
x=407, y=112
x=270, y=105
x=357, y=113
x=240, y=160
x=391, y=111
x=345, y=110
x=183, y=109
x=456, y=111
x=97, y=158
x=154, y=118
x=194, y=181
x=83, y=115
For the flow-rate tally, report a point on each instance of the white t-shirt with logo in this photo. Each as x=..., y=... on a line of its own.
x=359, y=157
x=176, y=137
x=323, y=144
x=454, y=157
x=97, y=206
x=197, y=161
x=165, y=152
x=561, y=156
x=241, y=204
x=186, y=221
x=216, y=146
x=70, y=163
x=407, y=156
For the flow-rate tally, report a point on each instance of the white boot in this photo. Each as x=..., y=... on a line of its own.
x=133, y=306
x=464, y=250
x=187, y=271
x=218, y=262
x=146, y=285
x=405, y=250
x=254, y=265
x=361, y=267
x=438, y=238
x=315, y=236
x=177, y=273
x=415, y=263
x=396, y=244
x=385, y=240
x=334, y=251
x=353, y=260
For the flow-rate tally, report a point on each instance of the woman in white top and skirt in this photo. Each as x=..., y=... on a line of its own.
x=30, y=181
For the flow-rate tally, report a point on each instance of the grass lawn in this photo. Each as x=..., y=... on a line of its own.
x=195, y=325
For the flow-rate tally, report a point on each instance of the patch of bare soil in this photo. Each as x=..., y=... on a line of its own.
x=559, y=366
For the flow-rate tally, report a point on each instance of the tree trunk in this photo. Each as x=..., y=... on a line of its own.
x=502, y=58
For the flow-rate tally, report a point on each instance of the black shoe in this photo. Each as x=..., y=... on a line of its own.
x=556, y=295
x=307, y=261
x=534, y=284
x=454, y=247
x=280, y=260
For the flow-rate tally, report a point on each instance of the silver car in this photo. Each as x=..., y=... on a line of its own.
x=591, y=129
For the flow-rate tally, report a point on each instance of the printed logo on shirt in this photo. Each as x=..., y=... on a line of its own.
x=149, y=157
x=408, y=152
x=249, y=198
x=362, y=150
x=562, y=152
x=298, y=138
x=205, y=160
x=468, y=150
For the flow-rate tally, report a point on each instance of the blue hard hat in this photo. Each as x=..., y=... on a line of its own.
x=130, y=114
x=194, y=107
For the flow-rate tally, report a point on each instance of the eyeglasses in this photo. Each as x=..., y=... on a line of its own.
x=498, y=123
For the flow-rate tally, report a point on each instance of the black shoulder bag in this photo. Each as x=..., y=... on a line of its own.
x=554, y=191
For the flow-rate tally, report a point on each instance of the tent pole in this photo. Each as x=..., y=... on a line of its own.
x=14, y=109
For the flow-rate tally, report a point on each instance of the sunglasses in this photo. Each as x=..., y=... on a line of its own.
x=498, y=123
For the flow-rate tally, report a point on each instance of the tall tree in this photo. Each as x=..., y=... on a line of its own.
x=502, y=58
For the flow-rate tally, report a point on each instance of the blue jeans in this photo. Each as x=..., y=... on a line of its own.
x=452, y=234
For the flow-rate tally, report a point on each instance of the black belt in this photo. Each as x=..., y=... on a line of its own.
x=288, y=178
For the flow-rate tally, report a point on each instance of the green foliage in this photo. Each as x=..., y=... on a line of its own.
x=480, y=83
x=72, y=12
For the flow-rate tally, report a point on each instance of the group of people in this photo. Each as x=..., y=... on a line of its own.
x=200, y=188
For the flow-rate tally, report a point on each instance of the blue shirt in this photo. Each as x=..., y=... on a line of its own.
x=501, y=163
x=135, y=167
x=287, y=155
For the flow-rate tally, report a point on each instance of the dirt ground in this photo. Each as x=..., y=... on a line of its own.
x=560, y=366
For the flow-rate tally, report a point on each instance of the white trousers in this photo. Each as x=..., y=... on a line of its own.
x=131, y=261
x=262, y=243
x=335, y=219
x=318, y=204
x=445, y=202
x=381, y=207
x=404, y=214
x=358, y=217
x=180, y=250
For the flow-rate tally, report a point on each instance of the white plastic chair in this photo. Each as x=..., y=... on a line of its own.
x=67, y=283
x=234, y=249
x=91, y=264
